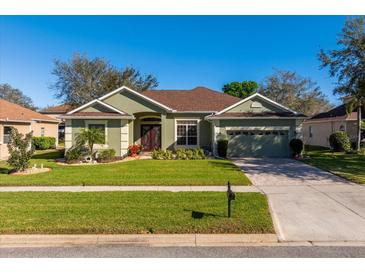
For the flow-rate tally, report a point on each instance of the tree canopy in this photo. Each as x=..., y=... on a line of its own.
x=295, y=92
x=240, y=89
x=81, y=79
x=347, y=65
x=16, y=96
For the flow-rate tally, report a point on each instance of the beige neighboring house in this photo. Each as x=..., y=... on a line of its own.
x=317, y=129
x=25, y=120
x=56, y=112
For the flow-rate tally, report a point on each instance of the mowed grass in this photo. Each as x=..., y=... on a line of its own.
x=349, y=166
x=138, y=172
x=132, y=212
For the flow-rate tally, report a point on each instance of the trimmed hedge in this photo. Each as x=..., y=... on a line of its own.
x=296, y=146
x=190, y=154
x=160, y=154
x=340, y=141
x=43, y=143
x=106, y=155
x=222, y=146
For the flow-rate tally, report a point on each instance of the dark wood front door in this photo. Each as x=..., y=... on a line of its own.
x=150, y=137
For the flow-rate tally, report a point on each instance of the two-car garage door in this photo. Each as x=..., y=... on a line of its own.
x=258, y=143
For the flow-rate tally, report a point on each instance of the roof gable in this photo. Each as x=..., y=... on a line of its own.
x=257, y=97
x=97, y=106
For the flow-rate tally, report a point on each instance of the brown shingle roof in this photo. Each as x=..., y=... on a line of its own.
x=261, y=114
x=10, y=111
x=337, y=113
x=60, y=109
x=197, y=99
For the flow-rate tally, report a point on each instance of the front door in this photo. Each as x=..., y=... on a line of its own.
x=151, y=137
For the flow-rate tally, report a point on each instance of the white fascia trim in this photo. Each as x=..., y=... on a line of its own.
x=16, y=121
x=211, y=112
x=252, y=118
x=98, y=102
x=121, y=89
x=99, y=117
x=45, y=120
x=253, y=96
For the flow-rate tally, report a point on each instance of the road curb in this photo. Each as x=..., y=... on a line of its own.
x=151, y=240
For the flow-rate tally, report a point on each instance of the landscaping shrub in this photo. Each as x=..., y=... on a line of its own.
x=106, y=155
x=43, y=143
x=20, y=149
x=296, y=146
x=74, y=154
x=339, y=141
x=134, y=150
x=190, y=154
x=159, y=154
x=222, y=146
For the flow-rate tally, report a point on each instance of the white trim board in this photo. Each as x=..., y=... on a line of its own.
x=253, y=96
x=259, y=128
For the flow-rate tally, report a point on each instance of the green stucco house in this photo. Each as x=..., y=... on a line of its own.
x=170, y=119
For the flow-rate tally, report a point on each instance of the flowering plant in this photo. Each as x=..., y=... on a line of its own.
x=134, y=150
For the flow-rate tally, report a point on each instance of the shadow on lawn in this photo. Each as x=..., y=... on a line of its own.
x=200, y=215
x=54, y=154
x=4, y=170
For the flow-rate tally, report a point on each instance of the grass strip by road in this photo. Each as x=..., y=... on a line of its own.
x=349, y=166
x=138, y=172
x=132, y=212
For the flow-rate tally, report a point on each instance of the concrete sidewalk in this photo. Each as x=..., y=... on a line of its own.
x=125, y=188
x=33, y=240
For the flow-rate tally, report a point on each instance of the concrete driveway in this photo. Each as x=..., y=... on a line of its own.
x=308, y=204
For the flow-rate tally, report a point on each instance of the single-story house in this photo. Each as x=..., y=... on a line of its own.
x=25, y=120
x=170, y=119
x=317, y=129
x=56, y=112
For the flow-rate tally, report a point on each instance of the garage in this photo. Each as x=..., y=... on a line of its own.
x=258, y=143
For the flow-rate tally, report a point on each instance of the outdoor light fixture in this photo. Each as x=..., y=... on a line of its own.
x=231, y=196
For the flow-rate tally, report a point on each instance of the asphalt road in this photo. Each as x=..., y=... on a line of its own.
x=114, y=251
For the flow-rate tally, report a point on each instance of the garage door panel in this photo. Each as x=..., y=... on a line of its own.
x=258, y=144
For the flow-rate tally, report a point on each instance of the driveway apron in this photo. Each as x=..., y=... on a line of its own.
x=308, y=204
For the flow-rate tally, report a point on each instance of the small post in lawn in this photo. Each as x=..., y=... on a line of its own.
x=231, y=196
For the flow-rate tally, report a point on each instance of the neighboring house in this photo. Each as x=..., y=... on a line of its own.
x=25, y=120
x=56, y=112
x=317, y=129
x=170, y=119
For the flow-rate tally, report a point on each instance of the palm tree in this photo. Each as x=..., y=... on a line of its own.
x=90, y=137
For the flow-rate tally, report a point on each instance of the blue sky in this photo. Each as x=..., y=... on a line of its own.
x=181, y=51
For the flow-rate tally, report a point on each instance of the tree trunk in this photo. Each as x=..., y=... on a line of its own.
x=358, y=142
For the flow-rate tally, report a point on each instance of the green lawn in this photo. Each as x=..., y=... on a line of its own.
x=138, y=172
x=132, y=212
x=349, y=166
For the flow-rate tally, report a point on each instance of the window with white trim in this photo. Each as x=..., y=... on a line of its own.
x=187, y=132
x=310, y=131
x=43, y=131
